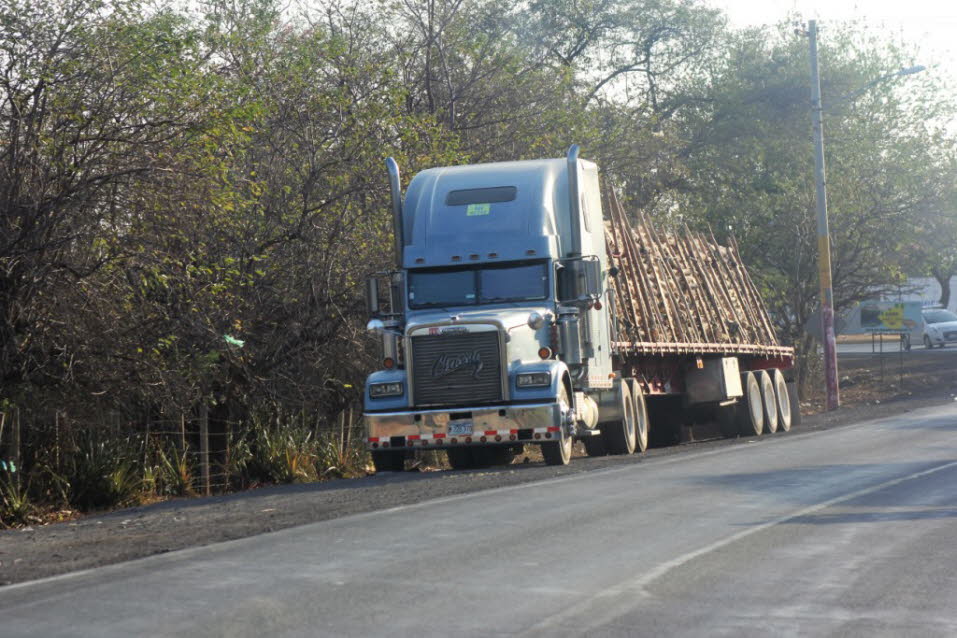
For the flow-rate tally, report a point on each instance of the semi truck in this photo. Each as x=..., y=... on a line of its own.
x=527, y=308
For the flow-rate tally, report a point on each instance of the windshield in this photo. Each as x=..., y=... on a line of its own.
x=939, y=316
x=478, y=285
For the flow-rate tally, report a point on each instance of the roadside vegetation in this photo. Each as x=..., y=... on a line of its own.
x=190, y=199
x=93, y=469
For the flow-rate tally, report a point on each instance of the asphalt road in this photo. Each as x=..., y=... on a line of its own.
x=846, y=532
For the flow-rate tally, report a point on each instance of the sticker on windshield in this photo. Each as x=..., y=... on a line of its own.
x=475, y=210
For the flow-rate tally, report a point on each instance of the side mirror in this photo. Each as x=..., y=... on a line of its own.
x=375, y=326
x=579, y=279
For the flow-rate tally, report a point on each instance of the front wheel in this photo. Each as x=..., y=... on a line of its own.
x=460, y=458
x=560, y=452
x=492, y=456
x=927, y=343
x=388, y=461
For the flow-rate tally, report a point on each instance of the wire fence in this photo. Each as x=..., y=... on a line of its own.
x=205, y=448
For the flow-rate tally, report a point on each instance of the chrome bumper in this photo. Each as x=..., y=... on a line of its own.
x=490, y=425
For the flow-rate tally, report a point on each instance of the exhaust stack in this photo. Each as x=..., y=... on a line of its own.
x=395, y=187
x=574, y=203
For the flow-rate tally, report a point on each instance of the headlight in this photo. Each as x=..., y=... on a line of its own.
x=378, y=390
x=533, y=379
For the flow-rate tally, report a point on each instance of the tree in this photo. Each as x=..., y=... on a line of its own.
x=749, y=160
x=93, y=99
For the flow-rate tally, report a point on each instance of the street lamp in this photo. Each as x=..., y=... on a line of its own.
x=823, y=235
x=867, y=87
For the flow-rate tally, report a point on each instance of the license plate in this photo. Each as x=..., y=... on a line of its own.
x=460, y=427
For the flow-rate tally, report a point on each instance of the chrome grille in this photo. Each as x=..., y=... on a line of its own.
x=456, y=369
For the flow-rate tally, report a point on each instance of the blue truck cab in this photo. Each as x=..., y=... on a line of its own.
x=499, y=331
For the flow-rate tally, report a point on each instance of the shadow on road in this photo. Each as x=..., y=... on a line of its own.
x=813, y=484
x=838, y=518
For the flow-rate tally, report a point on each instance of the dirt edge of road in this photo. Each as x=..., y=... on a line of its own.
x=37, y=552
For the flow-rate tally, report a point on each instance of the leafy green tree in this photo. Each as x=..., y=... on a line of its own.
x=750, y=165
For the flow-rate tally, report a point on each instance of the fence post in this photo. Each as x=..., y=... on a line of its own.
x=182, y=432
x=16, y=440
x=56, y=439
x=204, y=445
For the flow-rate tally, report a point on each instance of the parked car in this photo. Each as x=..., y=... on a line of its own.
x=940, y=328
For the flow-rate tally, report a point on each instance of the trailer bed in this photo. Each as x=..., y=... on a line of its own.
x=682, y=293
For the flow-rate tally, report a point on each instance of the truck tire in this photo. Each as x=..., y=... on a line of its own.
x=750, y=410
x=727, y=420
x=620, y=436
x=491, y=456
x=769, y=402
x=595, y=446
x=559, y=452
x=795, y=399
x=388, y=460
x=783, y=400
x=641, y=416
x=460, y=458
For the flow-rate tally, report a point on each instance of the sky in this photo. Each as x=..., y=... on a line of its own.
x=931, y=24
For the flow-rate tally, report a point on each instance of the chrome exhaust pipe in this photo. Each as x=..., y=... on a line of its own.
x=395, y=186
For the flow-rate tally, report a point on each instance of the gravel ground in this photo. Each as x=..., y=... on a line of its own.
x=92, y=541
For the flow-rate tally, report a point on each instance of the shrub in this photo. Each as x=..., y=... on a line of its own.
x=340, y=459
x=175, y=471
x=285, y=453
x=101, y=471
x=15, y=503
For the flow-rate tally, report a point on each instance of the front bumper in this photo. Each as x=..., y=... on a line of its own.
x=505, y=424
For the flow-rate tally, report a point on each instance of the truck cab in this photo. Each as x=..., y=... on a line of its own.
x=498, y=329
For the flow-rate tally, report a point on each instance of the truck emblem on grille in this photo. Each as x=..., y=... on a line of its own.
x=446, y=364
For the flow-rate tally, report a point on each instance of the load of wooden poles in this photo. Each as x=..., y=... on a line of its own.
x=682, y=292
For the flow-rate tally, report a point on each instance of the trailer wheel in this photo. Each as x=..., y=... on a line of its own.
x=783, y=400
x=795, y=399
x=727, y=420
x=594, y=446
x=641, y=416
x=619, y=436
x=750, y=410
x=768, y=402
x=559, y=452
x=388, y=460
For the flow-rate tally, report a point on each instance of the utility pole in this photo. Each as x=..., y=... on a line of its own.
x=823, y=234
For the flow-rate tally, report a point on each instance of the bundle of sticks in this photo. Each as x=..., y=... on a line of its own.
x=682, y=292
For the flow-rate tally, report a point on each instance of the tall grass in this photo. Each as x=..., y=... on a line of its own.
x=105, y=468
x=15, y=503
